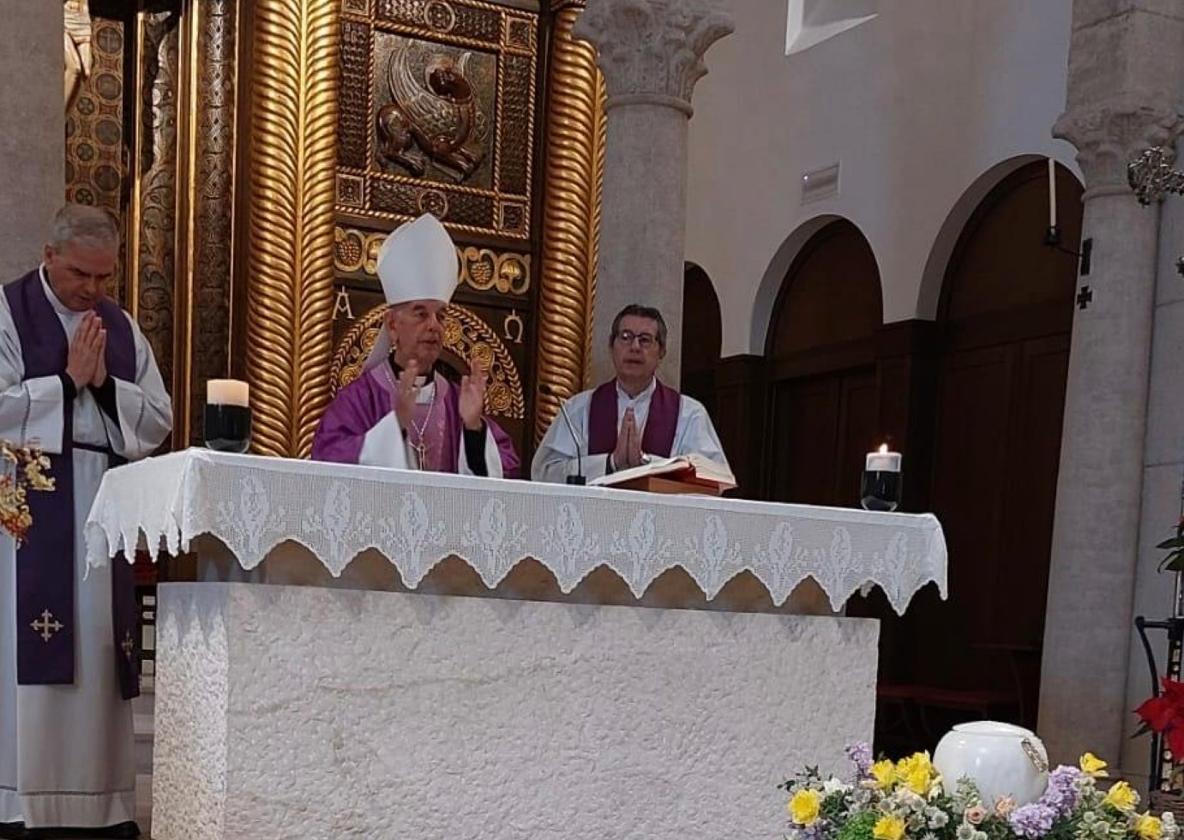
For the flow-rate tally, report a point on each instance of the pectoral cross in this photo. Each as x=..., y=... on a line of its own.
x=421, y=453
x=1084, y=297
x=128, y=645
x=47, y=626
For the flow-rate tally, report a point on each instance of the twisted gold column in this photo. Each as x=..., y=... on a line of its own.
x=290, y=217
x=571, y=213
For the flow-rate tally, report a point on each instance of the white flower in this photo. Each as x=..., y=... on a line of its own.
x=966, y=832
x=833, y=785
x=938, y=818
x=1170, y=830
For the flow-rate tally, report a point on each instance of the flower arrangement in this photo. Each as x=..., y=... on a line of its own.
x=25, y=468
x=1165, y=715
x=907, y=800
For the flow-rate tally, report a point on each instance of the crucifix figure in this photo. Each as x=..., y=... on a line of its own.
x=47, y=626
x=128, y=645
x=1084, y=297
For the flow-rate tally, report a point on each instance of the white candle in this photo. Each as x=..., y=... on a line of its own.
x=228, y=392
x=1052, y=193
x=883, y=461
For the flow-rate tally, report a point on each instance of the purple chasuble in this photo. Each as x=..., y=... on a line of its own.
x=45, y=612
x=660, y=423
x=362, y=404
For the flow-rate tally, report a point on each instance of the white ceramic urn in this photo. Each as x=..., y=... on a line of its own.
x=1002, y=759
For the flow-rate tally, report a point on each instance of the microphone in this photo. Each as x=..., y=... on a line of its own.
x=578, y=478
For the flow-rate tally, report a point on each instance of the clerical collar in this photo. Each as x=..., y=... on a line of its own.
x=644, y=394
x=54, y=301
x=419, y=380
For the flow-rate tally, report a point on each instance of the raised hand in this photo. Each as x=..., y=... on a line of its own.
x=85, y=350
x=472, y=398
x=406, y=393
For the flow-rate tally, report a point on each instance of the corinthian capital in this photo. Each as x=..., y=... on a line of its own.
x=1111, y=134
x=652, y=50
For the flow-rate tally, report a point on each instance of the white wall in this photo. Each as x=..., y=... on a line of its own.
x=915, y=104
x=32, y=131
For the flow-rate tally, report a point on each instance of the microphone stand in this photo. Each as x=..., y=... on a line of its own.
x=577, y=479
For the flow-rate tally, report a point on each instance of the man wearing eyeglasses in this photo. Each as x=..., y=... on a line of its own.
x=627, y=420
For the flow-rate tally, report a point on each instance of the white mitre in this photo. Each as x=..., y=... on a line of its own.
x=416, y=262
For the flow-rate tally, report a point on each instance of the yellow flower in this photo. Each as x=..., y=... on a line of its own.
x=1148, y=827
x=1093, y=766
x=884, y=772
x=1122, y=796
x=915, y=772
x=888, y=828
x=804, y=806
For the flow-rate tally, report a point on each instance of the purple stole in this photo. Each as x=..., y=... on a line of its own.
x=45, y=611
x=660, y=424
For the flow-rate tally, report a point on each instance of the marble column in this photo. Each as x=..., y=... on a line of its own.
x=1163, y=467
x=651, y=54
x=1123, y=97
x=32, y=143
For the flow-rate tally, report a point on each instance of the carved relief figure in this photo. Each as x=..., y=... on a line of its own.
x=434, y=115
x=79, y=58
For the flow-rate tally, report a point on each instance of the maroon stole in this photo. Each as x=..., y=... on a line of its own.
x=660, y=425
x=45, y=598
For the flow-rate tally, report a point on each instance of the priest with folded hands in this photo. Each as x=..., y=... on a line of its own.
x=631, y=418
x=401, y=411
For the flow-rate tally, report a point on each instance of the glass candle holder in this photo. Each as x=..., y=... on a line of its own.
x=227, y=416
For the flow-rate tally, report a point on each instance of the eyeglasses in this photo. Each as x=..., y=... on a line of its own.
x=644, y=340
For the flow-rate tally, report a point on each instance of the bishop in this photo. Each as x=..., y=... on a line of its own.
x=402, y=412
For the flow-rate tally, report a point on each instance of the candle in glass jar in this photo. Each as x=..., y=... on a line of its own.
x=228, y=392
x=883, y=460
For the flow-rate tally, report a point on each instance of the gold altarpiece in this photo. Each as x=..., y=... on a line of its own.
x=259, y=152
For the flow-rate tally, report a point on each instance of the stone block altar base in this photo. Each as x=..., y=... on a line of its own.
x=288, y=711
x=305, y=689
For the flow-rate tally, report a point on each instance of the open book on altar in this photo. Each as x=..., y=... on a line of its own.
x=690, y=469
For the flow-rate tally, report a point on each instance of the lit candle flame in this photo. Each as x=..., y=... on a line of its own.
x=883, y=449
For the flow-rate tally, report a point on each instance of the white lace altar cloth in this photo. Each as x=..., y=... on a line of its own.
x=416, y=519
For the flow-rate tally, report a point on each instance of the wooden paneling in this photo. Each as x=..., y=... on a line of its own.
x=975, y=403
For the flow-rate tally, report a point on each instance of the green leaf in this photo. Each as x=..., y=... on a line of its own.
x=1174, y=542
x=1174, y=562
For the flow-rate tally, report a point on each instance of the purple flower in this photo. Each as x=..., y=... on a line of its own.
x=1032, y=821
x=1062, y=793
x=861, y=756
x=817, y=831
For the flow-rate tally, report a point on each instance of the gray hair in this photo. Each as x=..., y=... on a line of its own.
x=82, y=223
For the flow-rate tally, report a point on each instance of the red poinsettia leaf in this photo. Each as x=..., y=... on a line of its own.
x=1157, y=713
x=1174, y=692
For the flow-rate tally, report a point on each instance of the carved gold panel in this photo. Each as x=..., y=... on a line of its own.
x=437, y=114
x=466, y=336
x=95, y=166
x=153, y=220
x=482, y=269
